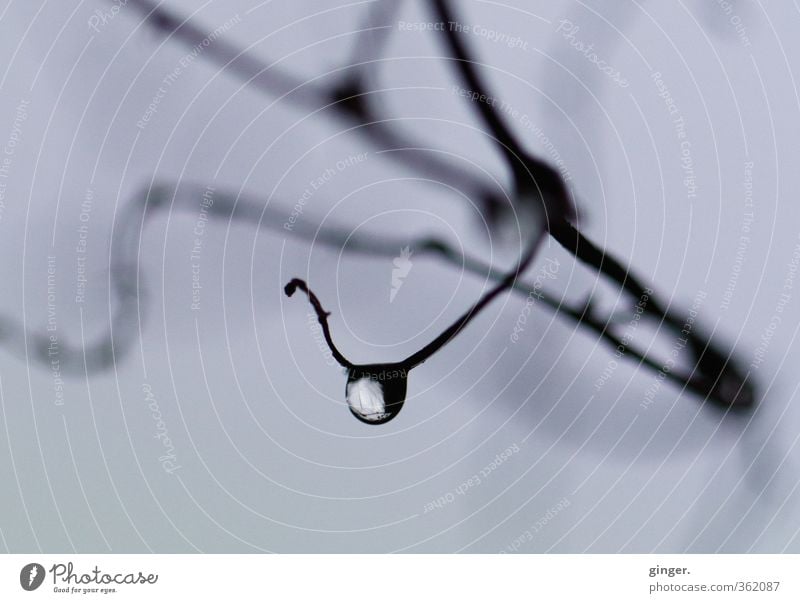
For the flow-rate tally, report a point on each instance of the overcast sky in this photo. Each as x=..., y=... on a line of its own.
x=220, y=423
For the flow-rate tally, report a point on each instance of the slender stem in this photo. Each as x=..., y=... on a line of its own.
x=718, y=377
x=713, y=371
x=717, y=373
x=532, y=176
x=506, y=283
x=322, y=317
x=582, y=248
x=505, y=139
x=347, y=99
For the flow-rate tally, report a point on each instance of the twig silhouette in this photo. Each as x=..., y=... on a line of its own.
x=346, y=97
x=714, y=375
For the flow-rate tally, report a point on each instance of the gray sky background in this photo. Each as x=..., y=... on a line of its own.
x=266, y=455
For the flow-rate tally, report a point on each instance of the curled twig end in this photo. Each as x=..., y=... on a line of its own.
x=292, y=286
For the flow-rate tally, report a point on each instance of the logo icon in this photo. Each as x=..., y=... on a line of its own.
x=402, y=266
x=31, y=576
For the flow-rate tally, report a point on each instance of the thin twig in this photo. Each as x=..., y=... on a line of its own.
x=714, y=376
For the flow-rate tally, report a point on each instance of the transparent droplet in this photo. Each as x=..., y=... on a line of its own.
x=375, y=393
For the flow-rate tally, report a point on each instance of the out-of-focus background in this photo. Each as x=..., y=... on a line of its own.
x=219, y=424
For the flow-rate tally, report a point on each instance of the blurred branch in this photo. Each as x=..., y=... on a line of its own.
x=714, y=376
x=347, y=97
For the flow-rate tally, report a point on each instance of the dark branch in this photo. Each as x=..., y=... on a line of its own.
x=714, y=374
x=506, y=283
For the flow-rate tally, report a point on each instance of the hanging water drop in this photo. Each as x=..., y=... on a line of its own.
x=375, y=393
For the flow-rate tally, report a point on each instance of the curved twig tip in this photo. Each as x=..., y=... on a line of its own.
x=292, y=286
x=322, y=317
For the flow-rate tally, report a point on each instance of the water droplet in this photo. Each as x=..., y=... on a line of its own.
x=375, y=393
